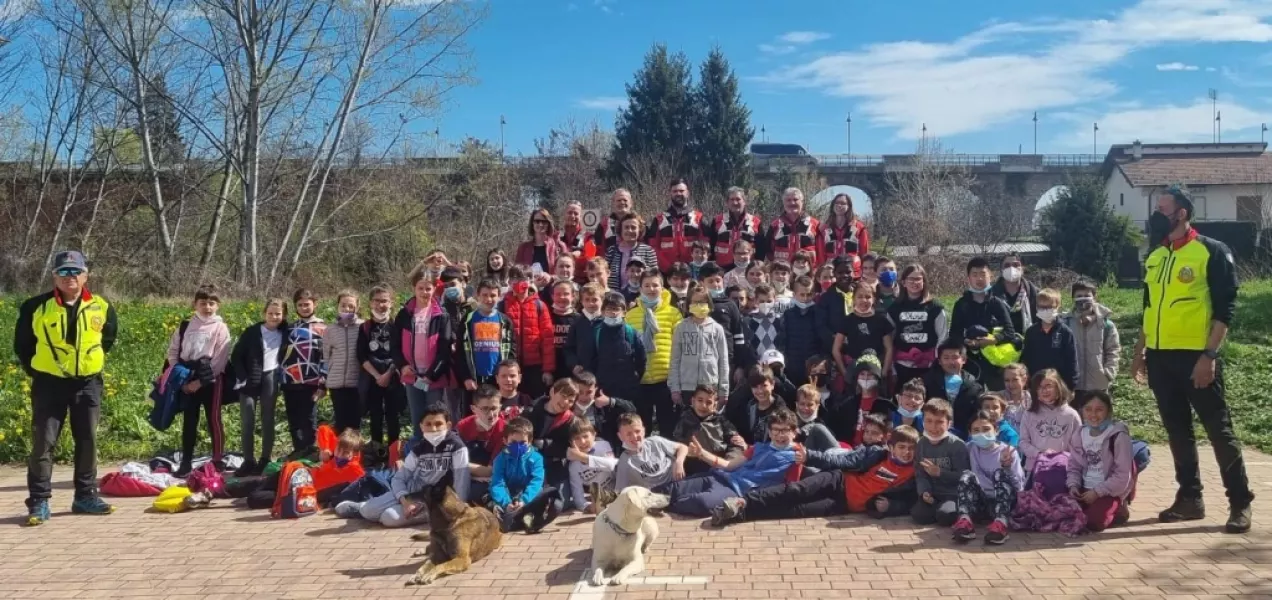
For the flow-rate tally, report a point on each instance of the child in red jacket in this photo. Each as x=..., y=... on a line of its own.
x=532, y=333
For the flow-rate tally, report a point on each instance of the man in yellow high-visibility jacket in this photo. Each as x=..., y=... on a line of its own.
x=1190, y=295
x=62, y=338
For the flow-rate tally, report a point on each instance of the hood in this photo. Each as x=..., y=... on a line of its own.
x=1117, y=427
x=207, y=321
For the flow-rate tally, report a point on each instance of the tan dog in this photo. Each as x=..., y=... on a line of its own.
x=622, y=533
x=458, y=535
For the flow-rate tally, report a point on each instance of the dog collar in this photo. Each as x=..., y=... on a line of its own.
x=615, y=527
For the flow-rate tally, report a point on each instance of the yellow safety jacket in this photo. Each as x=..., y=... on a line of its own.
x=53, y=356
x=1178, y=299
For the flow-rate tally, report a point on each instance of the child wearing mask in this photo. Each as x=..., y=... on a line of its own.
x=520, y=499
x=1101, y=473
x=699, y=253
x=845, y=416
x=743, y=252
x=426, y=340
x=950, y=382
x=699, y=351
x=980, y=319
x=615, y=352
x=654, y=319
x=729, y=316
x=1098, y=344
x=993, y=405
x=597, y=271
x=340, y=357
x=380, y=387
x=824, y=278
x=303, y=375
x=1016, y=392
x=764, y=321
x=863, y=330
x=756, y=275
x=910, y=401
x=1049, y=343
x=532, y=336
x=631, y=289
x=779, y=276
x=942, y=459
x=802, y=264
x=886, y=288
x=1049, y=424
x=678, y=281
x=799, y=327
x=811, y=430
x=204, y=348
x=255, y=360
x=704, y=424
x=989, y=488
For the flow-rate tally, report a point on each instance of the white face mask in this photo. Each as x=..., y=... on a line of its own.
x=1012, y=274
x=591, y=316
x=808, y=419
x=800, y=271
x=1047, y=315
x=681, y=291
x=764, y=308
x=583, y=406
x=435, y=437
x=934, y=438
x=867, y=384
x=484, y=423
x=380, y=316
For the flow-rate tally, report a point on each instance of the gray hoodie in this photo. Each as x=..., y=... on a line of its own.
x=699, y=355
x=950, y=454
x=1099, y=347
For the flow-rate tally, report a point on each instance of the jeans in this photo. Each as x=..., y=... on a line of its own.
x=208, y=398
x=696, y=496
x=819, y=437
x=52, y=399
x=266, y=399
x=821, y=495
x=1170, y=378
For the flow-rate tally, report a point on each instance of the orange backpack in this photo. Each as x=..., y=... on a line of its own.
x=295, y=496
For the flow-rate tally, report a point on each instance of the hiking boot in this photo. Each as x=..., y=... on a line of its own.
x=38, y=512
x=1184, y=509
x=93, y=505
x=247, y=469
x=997, y=533
x=964, y=530
x=729, y=511
x=348, y=509
x=1238, y=519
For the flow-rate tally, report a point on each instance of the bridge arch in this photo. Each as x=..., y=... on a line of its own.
x=862, y=202
x=1045, y=200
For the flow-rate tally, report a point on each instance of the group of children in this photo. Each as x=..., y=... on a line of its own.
x=772, y=393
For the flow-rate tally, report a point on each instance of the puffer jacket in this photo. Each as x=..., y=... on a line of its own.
x=532, y=331
x=799, y=341
x=1099, y=346
x=340, y=354
x=699, y=355
x=658, y=358
x=425, y=340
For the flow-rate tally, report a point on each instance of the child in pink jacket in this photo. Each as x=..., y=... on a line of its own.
x=202, y=344
x=1101, y=474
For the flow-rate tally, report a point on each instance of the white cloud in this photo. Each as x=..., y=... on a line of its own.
x=776, y=49
x=803, y=37
x=1177, y=66
x=1211, y=69
x=602, y=103
x=1004, y=71
x=1192, y=122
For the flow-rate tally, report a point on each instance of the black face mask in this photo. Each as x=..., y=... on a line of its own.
x=1159, y=228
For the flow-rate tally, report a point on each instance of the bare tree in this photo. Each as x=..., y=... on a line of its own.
x=569, y=166
x=929, y=202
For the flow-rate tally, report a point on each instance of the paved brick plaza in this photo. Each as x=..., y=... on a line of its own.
x=232, y=553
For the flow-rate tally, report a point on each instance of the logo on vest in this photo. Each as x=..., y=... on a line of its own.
x=1186, y=275
x=97, y=323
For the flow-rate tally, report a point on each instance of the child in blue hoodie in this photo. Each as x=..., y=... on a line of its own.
x=989, y=488
x=516, y=483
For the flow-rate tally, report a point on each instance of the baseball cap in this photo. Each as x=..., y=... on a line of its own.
x=771, y=356
x=69, y=259
x=636, y=262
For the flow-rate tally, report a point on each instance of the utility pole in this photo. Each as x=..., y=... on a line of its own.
x=1095, y=139
x=502, y=144
x=1214, y=113
x=1218, y=126
x=849, y=134
x=763, y=134
x=1035, y=120
x=924, y=138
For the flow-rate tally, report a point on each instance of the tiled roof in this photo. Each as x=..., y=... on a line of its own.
x=1199, y=170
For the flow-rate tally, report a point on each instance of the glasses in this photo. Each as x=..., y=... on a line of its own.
x=68, y=272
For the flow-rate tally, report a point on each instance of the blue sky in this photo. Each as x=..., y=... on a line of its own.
x=973, y=72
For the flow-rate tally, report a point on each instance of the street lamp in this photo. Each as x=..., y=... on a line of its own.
x=502, y=144
x=1218, y=126
x=1035, y=120
x=1263, y=130
x=763, y=134
x=850, y=134
x=1095, y=138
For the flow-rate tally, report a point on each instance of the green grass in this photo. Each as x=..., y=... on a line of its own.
x=145, y=328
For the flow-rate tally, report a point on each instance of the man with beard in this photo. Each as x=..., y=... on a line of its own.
x=733, y=225
x=673, y=232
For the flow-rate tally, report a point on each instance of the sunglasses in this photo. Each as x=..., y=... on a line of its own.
x=68, y=272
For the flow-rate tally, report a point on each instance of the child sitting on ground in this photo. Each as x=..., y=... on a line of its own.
x=483, y=435
x=517, y=493
x=1049, y=424
x=592, y=466
x=703, y=424
x=440, y=458
x=989, y=488
x=1101, y=474
x=869, y=479
x=810, y=430
x=765, y=464
x=339, y=464
x=647, y=462
x=844, y=415
x=909, y=409
x=994, y=405
x=512, y=401
x=602, y=411
x=942, y=458
x=1016, y=392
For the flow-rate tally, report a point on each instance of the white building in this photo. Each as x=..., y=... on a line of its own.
x=1228, y=181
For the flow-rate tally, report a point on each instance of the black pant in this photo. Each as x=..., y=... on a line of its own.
x=821, y=495
x=346, y=405
x=302, y=420
x=385, y=406
x=655, y=399
x=543, y=509
x=1170, y=378
x=207, y=399
x=52, y=399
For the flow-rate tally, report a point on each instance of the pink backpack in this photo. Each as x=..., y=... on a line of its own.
x=206, y=478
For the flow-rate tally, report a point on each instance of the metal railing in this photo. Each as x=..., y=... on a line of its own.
x=948, y=160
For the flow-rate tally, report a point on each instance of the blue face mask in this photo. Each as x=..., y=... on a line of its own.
x=984, y=440
x=802, y=305
x=909, y=414
x=452, y=294
x=953, y=383
x=888, y=278
x=518, y=449
x=1098, y=429
x=716, y=293
x=647, y=303
x=613, y=321
x=984, y=290
x=342, y=462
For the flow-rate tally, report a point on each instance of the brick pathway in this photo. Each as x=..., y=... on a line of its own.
x=227, y=552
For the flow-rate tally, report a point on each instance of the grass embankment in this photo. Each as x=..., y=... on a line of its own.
x=145, y=328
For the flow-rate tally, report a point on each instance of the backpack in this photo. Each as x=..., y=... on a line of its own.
x=206, y=478
x=296, y=496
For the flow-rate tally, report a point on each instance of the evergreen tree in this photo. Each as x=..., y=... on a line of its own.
x=1083, y=231
x=722, y=127
x=165, y=124
x=657, y=122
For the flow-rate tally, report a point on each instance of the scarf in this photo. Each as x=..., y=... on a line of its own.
x=650, y=330
x=847, y=300
x=1022, y=301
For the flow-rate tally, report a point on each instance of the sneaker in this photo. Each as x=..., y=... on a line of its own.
x=38, y=513
x=349, y=509
x=527, y=524
x=247, y=469
x=729, y=511
x=93, y=505
x=1184, y=509
x=200, y=499
x=997, y=533
x=1238, y=520
x=964, y=530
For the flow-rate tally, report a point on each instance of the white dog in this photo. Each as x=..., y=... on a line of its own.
x=622, y=533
